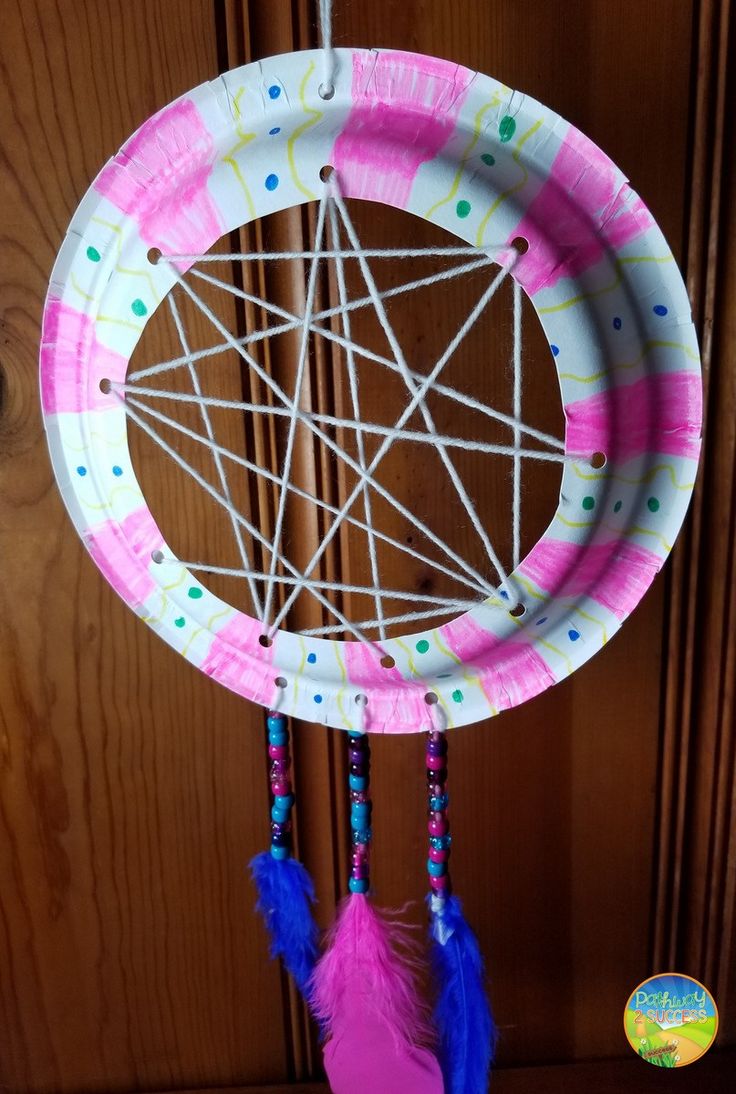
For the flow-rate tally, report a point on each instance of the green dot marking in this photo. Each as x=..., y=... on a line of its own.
x=462, y=209
x=138, y=307
x=506, y=128
x=93, y=254
x=180, y=621
x=588, y=502
x=653, y=505
x=422, y=645
x=488, y=159
x=457, y=696
x=617, y=506
x=194, y=593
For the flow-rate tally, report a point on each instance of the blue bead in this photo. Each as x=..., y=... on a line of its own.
x=437, y=804
x=362, y=835
x=358, y=884
x=358, y=782
x=436, y=869
x=356, y=733
x=280, y=816
x=276, y=721
x=283, y=801
x=279, y=852
x=278, y=738
x=440, y=843
x=360, y=809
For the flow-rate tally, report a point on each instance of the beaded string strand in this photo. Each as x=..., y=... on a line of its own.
x=281, y=787
x=438, y=824
x=361, y=807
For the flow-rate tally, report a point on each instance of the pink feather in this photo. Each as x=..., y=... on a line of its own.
x=364, y=994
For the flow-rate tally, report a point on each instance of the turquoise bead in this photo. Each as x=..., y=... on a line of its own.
x=358, y=782
x=358, y=884
x=361, y=835
x=278, y=738
x=284, y=801
x=279, y=816
x=276, y=724
x=280, y=852
x=360, y=809
x=436, y=869
x=438, y=804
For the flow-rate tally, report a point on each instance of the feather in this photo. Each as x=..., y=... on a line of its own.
x=285, y=897
x=364, y=994
x=462, y=1012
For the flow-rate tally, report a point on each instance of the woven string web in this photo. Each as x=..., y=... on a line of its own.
x=354, y=439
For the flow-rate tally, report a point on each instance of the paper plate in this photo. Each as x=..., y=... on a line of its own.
x=487, y=164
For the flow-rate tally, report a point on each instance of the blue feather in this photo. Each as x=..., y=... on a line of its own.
x=285, y=897
x=462, y=1012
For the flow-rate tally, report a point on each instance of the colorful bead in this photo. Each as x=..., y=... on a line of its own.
x=361, y=809
x=362, y=835
x=439, y=803
x=279, y=852
x=438, y=856
x=439, y=883
x=436, y=869
x=278, y=752
x=358, y=884
x=435, y=763
x=279, y=815
x=358, y=782
x=284, y=801
x=281, y=788
x=278, y=738
x=437, y=823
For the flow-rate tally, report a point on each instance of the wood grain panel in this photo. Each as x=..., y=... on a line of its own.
x=133, y=790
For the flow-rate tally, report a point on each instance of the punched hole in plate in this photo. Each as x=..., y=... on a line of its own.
x=361, y=700
x=154, y=256
x=280, y=682
x=520, y=245
x=157, y=556
x=264, y=640
x=431, y=698
x=326, y=172
x=517, y=611
x=326, y=91
x=598, y=460
x=387, y=661
x=105, y=386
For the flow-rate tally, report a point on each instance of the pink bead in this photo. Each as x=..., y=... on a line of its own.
x=435, y=763
x=437, y=827
x=361, y=849
x=278, y=752
x=438, y=856
x=440, y=882
x=280, y=788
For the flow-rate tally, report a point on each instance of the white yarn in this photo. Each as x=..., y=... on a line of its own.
x=371, y=252
x=417, y=385
x=329, y=57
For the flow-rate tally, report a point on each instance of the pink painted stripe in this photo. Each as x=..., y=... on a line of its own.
x=581, y=210
x=237, y=660
x=660, y=413
x=159, y=177
x=73, y=362
x=405, y=108
x=363, y=665
x=615, y=574
x=122, y=550
x=510, y=671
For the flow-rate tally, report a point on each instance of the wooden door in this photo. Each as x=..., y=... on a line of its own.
x=593, y=826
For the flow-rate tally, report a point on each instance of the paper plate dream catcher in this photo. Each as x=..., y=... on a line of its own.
x=530, y=203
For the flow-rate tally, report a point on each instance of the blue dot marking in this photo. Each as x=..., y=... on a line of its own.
x=542, y=620
x=659, y=309
x=276, y=129
x=573, y=635
x=555, y=350
x=272, y=182
x=318, y=698
x=311, y=658
x=274, y=91
x=82, y=471
x=617, y=323
x=117, y=471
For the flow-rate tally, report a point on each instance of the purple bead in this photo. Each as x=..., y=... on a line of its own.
x=280, y=787
x=278, y=752
x=360, y=871
x=437, y=825
x=436, y=776
x=440, y=883
x=435, y=763
x=438, y=856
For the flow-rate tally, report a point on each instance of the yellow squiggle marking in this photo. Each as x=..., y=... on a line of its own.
x=412, y=666
x=192, y=636
x=464, y=159
x=470, y=678
x=638, y=482
x=609, y=288
x=565, y=658
x=636, y=530
x=107, y=504
x=648, y=347
x=316, y=115
x=108, y=442
x=217, y=615
x=512, y=190
x=77, y=288
x=593, y=619
x=179, y=581
x=119, y=322
x=529, y=587
x=341, y=691
x=574, y=523
x=113, y=228
x=164, y=607
x=141, y=273
x=245, y=139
